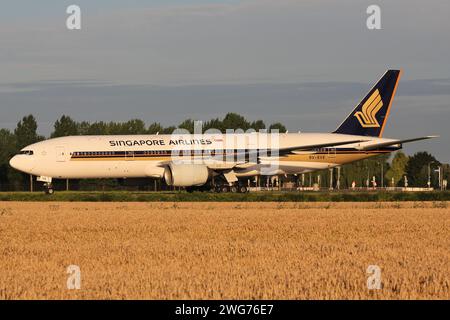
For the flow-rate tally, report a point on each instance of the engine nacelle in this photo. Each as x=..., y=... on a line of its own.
x=186, y=175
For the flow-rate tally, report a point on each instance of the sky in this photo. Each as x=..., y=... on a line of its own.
x=304, y=63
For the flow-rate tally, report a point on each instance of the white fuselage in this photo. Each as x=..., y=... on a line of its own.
x=130, y=156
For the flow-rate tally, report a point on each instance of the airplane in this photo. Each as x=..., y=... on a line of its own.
x=214, y=159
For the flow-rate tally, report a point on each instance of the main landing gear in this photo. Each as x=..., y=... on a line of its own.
x=228, y=182
x=220, y=188
x=235, y=188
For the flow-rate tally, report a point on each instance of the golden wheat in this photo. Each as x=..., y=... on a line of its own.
x=224, y=250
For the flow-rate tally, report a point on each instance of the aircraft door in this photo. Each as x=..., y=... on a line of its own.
x=60, y=154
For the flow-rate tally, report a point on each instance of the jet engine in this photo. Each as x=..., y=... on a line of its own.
x=186, y=175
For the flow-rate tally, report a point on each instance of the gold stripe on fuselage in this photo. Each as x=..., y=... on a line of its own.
x=122, y=159
x=340, y=157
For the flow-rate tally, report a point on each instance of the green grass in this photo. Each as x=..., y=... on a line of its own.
x=122, y=196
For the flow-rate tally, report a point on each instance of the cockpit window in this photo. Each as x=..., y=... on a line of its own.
x=26, y=152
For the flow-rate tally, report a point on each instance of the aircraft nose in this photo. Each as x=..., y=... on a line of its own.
x=22, y=163
x=14, y=162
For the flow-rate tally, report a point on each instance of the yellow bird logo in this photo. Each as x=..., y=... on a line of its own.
x=369, y=110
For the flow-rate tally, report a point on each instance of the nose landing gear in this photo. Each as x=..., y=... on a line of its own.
x=47, y=184
x=49, y=188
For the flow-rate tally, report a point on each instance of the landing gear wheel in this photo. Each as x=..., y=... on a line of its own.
x=243, y=189
x=49, y=189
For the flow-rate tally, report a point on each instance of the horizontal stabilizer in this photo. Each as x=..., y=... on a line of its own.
x=284, y=151
x=394, y=142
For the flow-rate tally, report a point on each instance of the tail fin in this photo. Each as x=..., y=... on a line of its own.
x=370, y=115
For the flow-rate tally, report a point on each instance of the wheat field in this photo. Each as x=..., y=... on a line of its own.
x=224, y=250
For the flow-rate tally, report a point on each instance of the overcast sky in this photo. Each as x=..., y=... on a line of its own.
x=304, y=63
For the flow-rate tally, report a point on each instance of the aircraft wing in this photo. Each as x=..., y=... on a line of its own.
x=250, y=158
x=394, y=142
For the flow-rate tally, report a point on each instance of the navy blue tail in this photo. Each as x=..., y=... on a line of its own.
x=370, y=115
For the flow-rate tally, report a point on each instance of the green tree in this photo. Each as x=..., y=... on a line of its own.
x=362, y=170
x=83, y=128
x=187, y=125
x=8, y=148
x=65, y=126
x=26, y=132
x=134, y=126
x=168, y=130
x=277, y=126
x=155, y=128
x=417, y=169
x=98, y=128
x=258, y=125
x=446, y=171
x=213, y=124
x=397, y=169
x=234, y=121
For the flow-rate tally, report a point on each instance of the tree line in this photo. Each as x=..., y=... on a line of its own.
x=415, y=168
x=67, y=126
